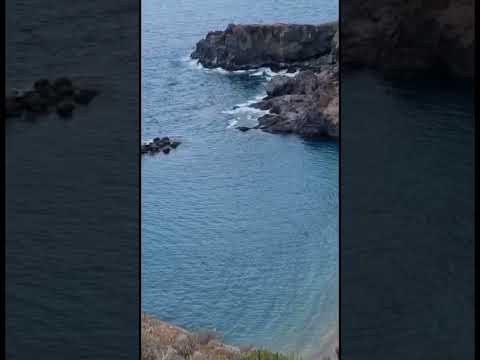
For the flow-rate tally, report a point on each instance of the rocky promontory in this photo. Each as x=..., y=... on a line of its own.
x=418, y=35
x=305, y=103
x=278, y=46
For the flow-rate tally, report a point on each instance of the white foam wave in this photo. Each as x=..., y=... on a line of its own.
x=246, y=107
x=232, y=123
x=245, y=113
x=268, y=73
x=265, y=72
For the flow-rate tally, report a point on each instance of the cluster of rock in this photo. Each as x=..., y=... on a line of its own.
x=60, y=95
x=306, y=104
x=157, y=145
x=410, y=35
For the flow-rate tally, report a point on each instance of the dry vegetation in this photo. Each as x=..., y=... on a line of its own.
x=164, y=341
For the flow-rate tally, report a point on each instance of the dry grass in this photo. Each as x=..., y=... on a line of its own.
x=163, y=341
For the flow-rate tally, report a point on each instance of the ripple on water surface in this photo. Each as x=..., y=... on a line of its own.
x=239, y=230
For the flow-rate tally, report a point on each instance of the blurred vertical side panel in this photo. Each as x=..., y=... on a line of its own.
x=407, y=179
x=72, y=179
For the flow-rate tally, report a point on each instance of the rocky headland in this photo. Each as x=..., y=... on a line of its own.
x=305, y=103
x=416, y=35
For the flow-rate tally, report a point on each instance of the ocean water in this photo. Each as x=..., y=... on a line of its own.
x=407, y=217
x=239, y=230
x=72, y=188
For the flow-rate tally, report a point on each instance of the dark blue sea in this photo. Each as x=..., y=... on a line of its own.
x=407, y=217
x=239, y=230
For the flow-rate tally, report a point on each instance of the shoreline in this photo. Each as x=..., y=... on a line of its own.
x=161, y=340
x=304, y=100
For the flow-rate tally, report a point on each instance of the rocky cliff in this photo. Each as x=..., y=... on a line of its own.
x=277, y=46
x=306, y=104
x=409, y=35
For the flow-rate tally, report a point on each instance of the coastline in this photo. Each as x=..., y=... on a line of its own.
x=161, y=340
x=305, y=100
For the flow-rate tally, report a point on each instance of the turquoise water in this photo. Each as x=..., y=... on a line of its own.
x=239, y=230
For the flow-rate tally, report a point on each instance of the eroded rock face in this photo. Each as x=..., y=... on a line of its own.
x=278, y=46
x=306, y=104
x=409, y=35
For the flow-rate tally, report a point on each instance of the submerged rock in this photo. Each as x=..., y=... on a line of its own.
x=243, y=128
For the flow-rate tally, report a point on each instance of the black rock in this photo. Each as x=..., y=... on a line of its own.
x=243, y=128
x=159, y=144
x=13, y=107
x=34, y=102
x=43, y=87
x=46, y=91
x=65, y=109
x=84, y=96
x=174, y=144
x=63, y=86
x=277, y=46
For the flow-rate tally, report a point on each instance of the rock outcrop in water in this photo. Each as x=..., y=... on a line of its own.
x=278, y=46
x=157, y=145
x=60, y=95
x=410, y=35
x=306, y=104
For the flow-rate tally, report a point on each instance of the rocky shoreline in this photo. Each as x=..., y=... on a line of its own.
x=305, y=104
